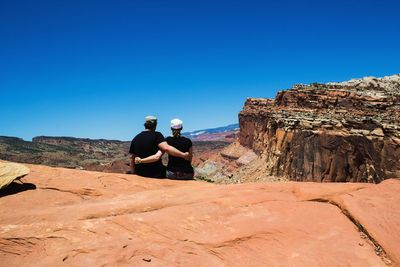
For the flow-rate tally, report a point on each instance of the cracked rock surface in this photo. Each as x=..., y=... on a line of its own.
x=81, y=218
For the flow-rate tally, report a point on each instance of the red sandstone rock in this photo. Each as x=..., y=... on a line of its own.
x=328, y=132
x=377, y=209
x=83, y=218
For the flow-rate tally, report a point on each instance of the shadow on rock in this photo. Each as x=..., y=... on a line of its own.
x=15, y=188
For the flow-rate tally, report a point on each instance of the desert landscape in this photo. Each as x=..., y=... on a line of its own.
x=200, y=133
x=335, y=132
x=99, y=155
x=311, y=180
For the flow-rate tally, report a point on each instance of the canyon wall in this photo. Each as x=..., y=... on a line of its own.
x=336, y=132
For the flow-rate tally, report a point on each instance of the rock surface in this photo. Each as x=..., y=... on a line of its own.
x=83, y=218
x=11, y=171
x=232, y=164
x=336, y=132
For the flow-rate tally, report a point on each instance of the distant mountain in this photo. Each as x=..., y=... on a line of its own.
x=66, y=152
x=225, y=133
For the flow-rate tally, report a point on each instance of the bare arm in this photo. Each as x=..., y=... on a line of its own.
x=132, y=163
x=173, y=151
x=149, y=159
x=191, y=153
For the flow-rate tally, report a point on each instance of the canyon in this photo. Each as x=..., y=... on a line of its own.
x=334, y=132
x=325, y=159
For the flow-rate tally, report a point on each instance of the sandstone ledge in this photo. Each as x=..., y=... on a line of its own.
x=83, y=218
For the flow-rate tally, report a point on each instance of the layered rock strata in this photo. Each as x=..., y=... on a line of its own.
x=336, y=132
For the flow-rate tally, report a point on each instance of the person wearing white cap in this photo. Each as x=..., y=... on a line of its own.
x=150, y=145
x=179, y=168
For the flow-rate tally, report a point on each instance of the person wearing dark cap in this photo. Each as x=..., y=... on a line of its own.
x=151, y=143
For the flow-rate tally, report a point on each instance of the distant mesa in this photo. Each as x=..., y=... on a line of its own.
x=227, y=133
x=68, y=152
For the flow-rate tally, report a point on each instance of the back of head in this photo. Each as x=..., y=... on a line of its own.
x=150, y=123
x=176, y=127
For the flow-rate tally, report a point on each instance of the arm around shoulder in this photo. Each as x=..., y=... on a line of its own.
x=173, y=151
x=149, y=159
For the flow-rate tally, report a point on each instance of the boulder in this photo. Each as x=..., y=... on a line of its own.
x=246, y=158
x=11, y=171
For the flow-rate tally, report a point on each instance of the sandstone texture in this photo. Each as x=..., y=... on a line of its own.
x=335, y=132
x=82, y=218
x=11, y=171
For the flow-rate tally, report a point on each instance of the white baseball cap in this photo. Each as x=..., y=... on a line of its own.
x=176, y=124
x=150, y=118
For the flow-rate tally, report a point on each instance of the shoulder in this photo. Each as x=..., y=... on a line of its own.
x=159, y=138
x=168, y=139
x=187, y=140
x=158, y=134
x=136, y=136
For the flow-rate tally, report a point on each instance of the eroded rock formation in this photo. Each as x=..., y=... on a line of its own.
x=336, y=132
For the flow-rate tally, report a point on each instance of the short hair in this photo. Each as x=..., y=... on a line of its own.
x=176, y=132
x=150, y=125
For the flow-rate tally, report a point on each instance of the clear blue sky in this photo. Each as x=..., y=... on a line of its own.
x=96, y=68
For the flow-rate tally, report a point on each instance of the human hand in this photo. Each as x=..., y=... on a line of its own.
x=138, y=160
x=187, y=156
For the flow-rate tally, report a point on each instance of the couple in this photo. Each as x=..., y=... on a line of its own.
x=148, y=146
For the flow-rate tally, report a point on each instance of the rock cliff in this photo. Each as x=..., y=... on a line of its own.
x=335, y=132
x=64, y=217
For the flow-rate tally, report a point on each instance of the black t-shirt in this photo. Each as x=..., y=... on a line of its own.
x=176, y=164
x=146, y=144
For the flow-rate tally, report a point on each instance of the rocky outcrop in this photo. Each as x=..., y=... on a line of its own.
x=336, y=132
x=230, y=165
x=82, y=218
x=11, y=171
